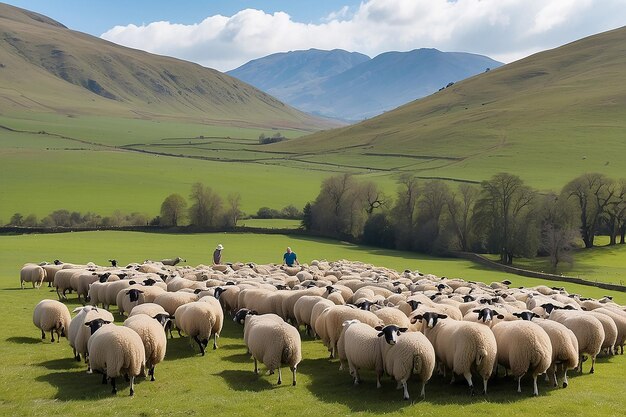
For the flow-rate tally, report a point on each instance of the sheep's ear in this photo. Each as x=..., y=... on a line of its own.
x=403, y=329
x=518, y=315
x=106, y=322
x=88, y=323
x=380, y=334
x=477, y=310
x=442, y=316
x=132, y=282
x=500, y=316
x=583, y=308
x=77, y=309
x=379, y=328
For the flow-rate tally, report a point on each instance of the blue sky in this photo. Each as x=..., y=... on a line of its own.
x=225, y=34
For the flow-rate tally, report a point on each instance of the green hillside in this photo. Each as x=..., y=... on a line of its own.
x=546, y=118
x=48, y=68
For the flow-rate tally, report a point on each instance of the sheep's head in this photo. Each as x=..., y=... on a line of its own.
x=390, y=332
x=430, y=318
x=241, y=314
x=526, y=315
x=95, y=324
x=133, y=294
x=487, y=314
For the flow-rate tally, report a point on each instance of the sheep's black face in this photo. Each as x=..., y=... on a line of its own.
x=549, y=307
x=430, y=318
x=391, y=333
x=218, y=292
x=365, y=305
x=240, y=316
x=94, y=325
x=526, y=315
x=149, y=282
x=468, y=298
x=163, y=319
x=487, y=314
x=414, y=304
x=134, y=294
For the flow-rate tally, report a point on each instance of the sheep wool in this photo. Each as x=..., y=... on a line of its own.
x=32, y=273
x=52, y=316
x=116, y=352
x=153, y=338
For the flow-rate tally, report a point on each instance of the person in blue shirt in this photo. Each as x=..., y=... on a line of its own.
x=290, y=258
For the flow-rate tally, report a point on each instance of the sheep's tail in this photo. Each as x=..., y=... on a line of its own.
x=480, y=355
x=417, y=364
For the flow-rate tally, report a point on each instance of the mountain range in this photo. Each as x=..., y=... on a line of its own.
x=351, y=86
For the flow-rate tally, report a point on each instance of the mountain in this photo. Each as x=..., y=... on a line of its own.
x=548, y=118
x=351, y=86
x=46, y=67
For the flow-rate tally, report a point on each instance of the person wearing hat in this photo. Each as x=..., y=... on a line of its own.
x=217, y=255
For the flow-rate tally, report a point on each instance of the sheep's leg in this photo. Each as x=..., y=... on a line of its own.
x=405, y=395
x=114, y=391
x=519, y=383
x=132, y=386
x=52, y=335
x=152, y=373
x=593, y=362
x=293, y=371
x=485, y=386
x=43, y=335
x=423, y=391
x=104, y=378
x=378, y=376
x=280, y=379
x=256, y=367
x=199, y=344
x=535, y=389
x=468, y=378
x=215, y=336
x=565, y=383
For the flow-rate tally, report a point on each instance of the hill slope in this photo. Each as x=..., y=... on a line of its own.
x=557, y=113
x=353, y=87
x=45, y=67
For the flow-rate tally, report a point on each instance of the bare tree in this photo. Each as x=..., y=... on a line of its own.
x=616, y=212
x=506, y=209
x=559, y=229
x=374, y=197
x=460, y=208
x=173, y=209
x=432, y=202
x=233, y=211
x=593, y=193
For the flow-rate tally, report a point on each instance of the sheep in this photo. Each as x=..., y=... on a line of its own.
x=273, y=343
x=228, y=296
x=32, y=273
x=620, y=322
x=485, y=316
x=62, y=281
x=318, y=327
x=172, y=262
x=112, y=289
x=51, y=270
x=411, y=353
x=302, y=310
x=335, y=318
x=153, y=338
x=137, y=294
x=588, y=330
x=610, y=330
x=79, y=333
x=391, y=315
x=461, y=345
x=200, y=319
x=523, y=347
x=116, y=351
x=564, y=349
x=170, y=301
x=52, y=316
x=150, y=309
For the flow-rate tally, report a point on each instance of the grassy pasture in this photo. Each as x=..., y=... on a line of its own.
x=42, y=379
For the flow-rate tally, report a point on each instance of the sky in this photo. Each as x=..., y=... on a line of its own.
x=224, y=34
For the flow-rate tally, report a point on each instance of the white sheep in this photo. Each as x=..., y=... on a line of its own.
x=461, y=346
x=153, y=338
x=302, y=310
x=52, y=316
x=170, y=301
x=273, y=343
x=117, y=351
x=412, y=353
x=588, y=330
x=32, y=273
x=199, y=320
x=335, y=318
x=564, y=350
x=79, y=333
x=619, y=317
x=523, y=347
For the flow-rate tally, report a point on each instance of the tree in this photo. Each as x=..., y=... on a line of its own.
x=374, y=197
x=431, y=205
x=291, y=212
x=379, y=231
x=460, y=209
x=616, y=212
x=233, y=211
x=16, y=220
x=173, y=210
x=592, y=193
x=404, y=212
x=30, y=221
x=506, y=212
x=206, y=208
x=307, y=217
x=559, y=229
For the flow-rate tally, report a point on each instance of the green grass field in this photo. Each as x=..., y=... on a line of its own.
x=42, y=379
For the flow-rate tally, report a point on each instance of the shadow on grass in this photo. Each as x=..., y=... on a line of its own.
x=78, y=385
x=64, y=363
x=247, y=381
x=25, y=340
x=238, y=358
x=333, y=386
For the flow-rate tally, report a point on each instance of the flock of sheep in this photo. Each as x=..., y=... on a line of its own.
x=370, y=318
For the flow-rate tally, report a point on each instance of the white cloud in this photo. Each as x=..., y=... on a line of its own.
x=503, y=29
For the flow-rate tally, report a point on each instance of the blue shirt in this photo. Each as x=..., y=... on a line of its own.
x=290, y=258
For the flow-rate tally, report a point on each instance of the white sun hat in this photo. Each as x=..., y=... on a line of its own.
x=220, y=247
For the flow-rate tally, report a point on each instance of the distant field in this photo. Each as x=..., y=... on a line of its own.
x=270, y=223
x=45, y=380
x=602, y=263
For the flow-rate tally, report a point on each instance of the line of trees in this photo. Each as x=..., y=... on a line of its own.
x=501, y=215
x=66, y=218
